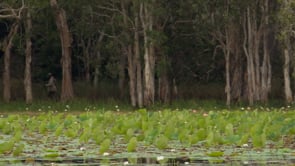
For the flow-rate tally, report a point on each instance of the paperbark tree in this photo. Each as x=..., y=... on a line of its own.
x=285, y=19
x=131, y=48
x=66, y=40
x=28, y=59
x=7, y=12
x=147, y=21
x=256, y=30
x=139, y=89
x=127, y=51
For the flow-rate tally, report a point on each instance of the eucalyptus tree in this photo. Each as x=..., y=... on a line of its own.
x=13, y=11
x=154, y=18
x=67, y=92
x=123, y=16
x=87, y=26
x=226, y=19
x=28, y=59
x=285, y=19
x=245, y=26
x=256, y=34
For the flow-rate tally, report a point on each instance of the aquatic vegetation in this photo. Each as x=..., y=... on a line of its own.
x=166, y=132
x=105, y=146
x=132, y=144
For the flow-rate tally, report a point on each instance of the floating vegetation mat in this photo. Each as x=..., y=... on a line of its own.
x=164, y=137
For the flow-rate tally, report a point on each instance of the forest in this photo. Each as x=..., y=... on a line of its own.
x=127, y=82
x=146, y=51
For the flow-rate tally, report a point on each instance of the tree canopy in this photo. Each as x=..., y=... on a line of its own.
x=150, y=51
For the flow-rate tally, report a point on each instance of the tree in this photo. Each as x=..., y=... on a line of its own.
x=66, y=40
x=8, y=12
x=147, y=20
x=256, y=30
x=285, y=18
x=27, y=73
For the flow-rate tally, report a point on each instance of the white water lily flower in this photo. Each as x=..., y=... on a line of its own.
x=159, y=158
x=186, y=163
x=125, y=163
x=245, y=145
x=106, y=154
x=82, y=148
x=172, y=150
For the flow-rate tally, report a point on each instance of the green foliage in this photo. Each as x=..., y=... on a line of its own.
x=6, y=147
x=132, y=144
x=216, y=154
x=18, y=149
x=161, y=142
x=217, y=133
x=105, y=146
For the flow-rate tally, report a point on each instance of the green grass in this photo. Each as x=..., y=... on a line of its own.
x=77, y=105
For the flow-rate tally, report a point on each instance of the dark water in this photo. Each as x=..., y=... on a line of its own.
x=144, y=161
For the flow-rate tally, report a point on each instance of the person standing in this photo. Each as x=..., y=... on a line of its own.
x=51, y=86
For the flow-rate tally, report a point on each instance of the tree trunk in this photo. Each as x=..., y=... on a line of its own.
x=127, y=50
x=149, y=55
x=227, y=71
x=251, y=45
x=97, y=64
x=248, y=48
x=266, y=65
x=132, y=76
x=27, y=74
x=65, y=37
x=96, y=71
x=86, y=55
x=139, y=90
x=122, y=66
x=287, y=84
x=6, y=72
x=237, y=76
x=163, y=87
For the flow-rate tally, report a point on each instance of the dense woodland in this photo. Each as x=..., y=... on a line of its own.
x=147, y=51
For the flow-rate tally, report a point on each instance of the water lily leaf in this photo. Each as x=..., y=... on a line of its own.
x=215, y=154
x=51, y=155
x=132, y=144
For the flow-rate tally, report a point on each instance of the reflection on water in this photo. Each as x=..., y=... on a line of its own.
x=142, y=161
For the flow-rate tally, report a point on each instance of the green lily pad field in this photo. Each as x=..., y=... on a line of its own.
x=176, y=137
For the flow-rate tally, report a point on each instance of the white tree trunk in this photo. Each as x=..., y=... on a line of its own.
x=149, y=60
x=287, y=84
